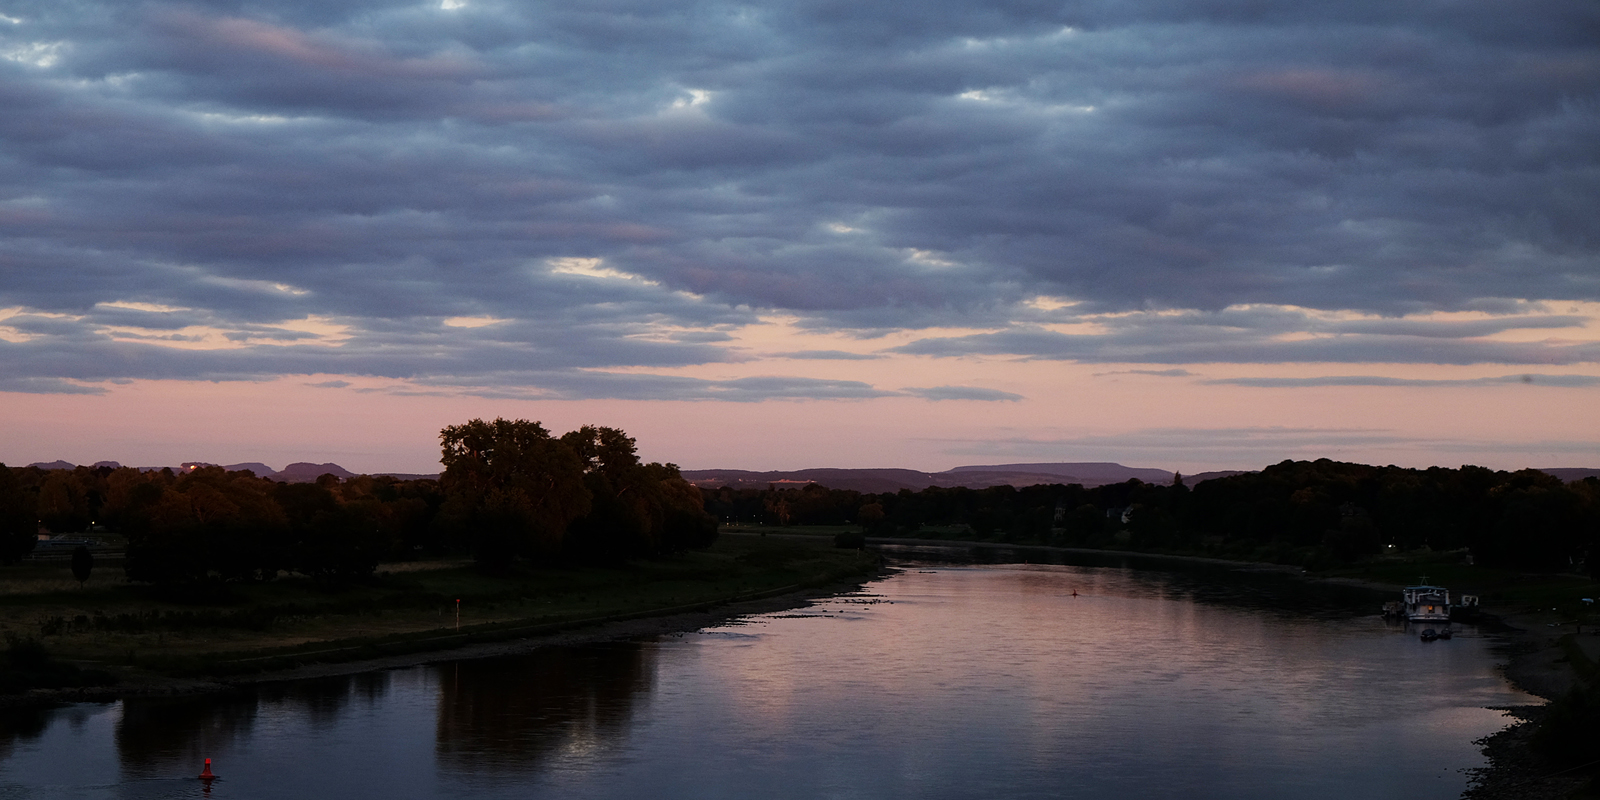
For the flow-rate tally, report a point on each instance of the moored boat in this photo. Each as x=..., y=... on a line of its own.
x=1424, y=603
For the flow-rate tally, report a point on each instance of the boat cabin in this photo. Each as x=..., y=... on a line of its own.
x=1425, y=603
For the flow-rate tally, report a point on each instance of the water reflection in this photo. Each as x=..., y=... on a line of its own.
x=20, y=726
x=155, y=736
x=172, y=737
x=511, y=715
x=1269, y=589
x=939, y=683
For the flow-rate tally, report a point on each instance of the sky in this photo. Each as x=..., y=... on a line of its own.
x=1188, y=234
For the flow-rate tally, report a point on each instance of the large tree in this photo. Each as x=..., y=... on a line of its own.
x=513, y=488
x=638, y=509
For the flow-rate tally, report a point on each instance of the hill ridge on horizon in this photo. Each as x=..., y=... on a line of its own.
x=863, y=479
x=889, y=479
x=297, y=472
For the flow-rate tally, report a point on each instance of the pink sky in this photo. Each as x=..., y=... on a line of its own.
x=1066, y=414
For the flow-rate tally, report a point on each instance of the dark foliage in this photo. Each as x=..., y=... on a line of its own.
x=1570, y=734
x=850, y=540
x=27, y=665
x=82, y=564
x=18, y=522
x=1315, y=513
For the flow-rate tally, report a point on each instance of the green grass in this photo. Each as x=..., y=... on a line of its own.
x=406, y=607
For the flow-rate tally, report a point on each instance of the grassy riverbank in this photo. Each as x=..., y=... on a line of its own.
x=135, y=632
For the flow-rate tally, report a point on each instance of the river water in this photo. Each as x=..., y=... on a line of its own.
x=942, y=681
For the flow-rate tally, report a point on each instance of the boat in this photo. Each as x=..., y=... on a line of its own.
x=1424, y=603
x=1445, y=633
x=1429, y=634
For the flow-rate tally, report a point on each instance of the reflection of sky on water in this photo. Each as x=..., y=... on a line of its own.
x=953, y=682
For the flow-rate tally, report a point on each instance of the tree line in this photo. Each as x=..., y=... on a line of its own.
x=1315, y=513
x=510, y=490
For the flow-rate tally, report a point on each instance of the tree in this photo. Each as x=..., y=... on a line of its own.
x=637, y=509
x=512, y=487
x=63, y=502
x=19, y=527
x=686, y=525
x=871, y=517
x=82, y=563
x=205, y=526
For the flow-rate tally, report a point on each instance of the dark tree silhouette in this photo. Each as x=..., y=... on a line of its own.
x=82, y=564
x=18, y=524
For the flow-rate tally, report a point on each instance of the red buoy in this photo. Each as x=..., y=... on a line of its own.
x=208, y=775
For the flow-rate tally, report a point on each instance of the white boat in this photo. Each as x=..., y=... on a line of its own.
x=1425, y=603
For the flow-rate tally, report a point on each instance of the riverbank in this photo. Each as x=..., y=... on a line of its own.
x=1544, y=656
x=279, y=632
x=1551, y=637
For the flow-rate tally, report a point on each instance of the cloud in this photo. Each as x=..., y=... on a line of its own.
x=1567, y=381
x=962, y=393
x=621, y=186
x=587, y=384
x=1251, y=447
x=1161, y=373
x=46, y=386
x=828, y=355
x=330, y=385
x=1271, y=335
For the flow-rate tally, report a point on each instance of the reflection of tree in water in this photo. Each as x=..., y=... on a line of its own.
x=323, y=700
x=20, y=725
x=509, y=715
x=161, y=735
x=1272, y=589
x=178, y=733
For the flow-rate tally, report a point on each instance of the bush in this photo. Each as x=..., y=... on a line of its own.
x=1570, y=733
x=28, y=665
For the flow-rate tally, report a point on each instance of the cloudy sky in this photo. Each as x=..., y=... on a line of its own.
x=1178, y=233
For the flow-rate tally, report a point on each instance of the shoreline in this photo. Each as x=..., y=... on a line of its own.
x=1534, y=662
x=673, y=621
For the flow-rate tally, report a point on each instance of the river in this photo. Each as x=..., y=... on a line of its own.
x=945, y=680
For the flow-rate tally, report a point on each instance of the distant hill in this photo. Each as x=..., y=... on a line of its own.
x=861, y=480
x=298, y=472
x=305, y=472
x=877, y=481
x=1570, y=473
x=1190, y=480
x=1088, y=473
